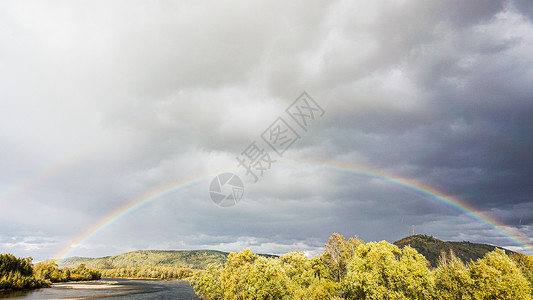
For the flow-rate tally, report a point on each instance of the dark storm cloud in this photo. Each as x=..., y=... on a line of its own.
x=472, y=70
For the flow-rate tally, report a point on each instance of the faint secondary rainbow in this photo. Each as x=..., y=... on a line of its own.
x=413, y=186
x=33, y=179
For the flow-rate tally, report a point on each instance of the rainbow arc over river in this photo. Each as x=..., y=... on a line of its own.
x=424, y=191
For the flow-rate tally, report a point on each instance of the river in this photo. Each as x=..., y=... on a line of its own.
x=111, y=288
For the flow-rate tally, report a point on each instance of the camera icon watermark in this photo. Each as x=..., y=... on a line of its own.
x=226, y=189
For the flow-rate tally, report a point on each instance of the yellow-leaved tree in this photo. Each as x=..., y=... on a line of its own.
x=207, y=284
x=452, y=279
x=237, y=266
x=309, y=278
x=496, y=276
x=525, y=264
x=384, y=271
x=337, y=254
x=266, y=280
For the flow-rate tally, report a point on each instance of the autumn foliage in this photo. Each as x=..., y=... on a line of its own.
x=352, y=269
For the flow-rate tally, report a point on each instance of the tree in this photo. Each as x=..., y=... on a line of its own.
x=383, y=271
x=9, y=263
x=338, y=252
x=207, y=284
x=452, y=278
x=297, y=267
x=18, y=273
x=525, y=264
x=496, y=276
x=266, y=280
x=354, y=270
x=237, y=265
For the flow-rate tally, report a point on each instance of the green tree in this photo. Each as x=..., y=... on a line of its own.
x=17, y=273
x=9, y=264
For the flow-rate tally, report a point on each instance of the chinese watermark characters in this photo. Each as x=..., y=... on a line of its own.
x=280, y=136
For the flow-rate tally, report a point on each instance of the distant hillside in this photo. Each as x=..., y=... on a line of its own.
x=428, y=246
x=432, y=248
x=194, y=259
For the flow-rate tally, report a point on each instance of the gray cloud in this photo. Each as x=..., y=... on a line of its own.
x=102, y=104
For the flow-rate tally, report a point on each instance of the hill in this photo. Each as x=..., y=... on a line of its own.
x=426, y=245
x=432, y=248
x=194, y=259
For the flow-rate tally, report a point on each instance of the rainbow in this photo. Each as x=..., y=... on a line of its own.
x=129, y=208
x=432, y=194
x=410, y=185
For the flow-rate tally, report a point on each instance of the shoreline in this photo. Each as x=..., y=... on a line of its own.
x=149, y=278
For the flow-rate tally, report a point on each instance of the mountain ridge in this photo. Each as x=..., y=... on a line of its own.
x=432, y=248
x=193, y=259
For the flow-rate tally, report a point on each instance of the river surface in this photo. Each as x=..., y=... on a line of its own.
x=111, y=288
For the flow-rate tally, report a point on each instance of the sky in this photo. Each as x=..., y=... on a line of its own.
x=105, y=102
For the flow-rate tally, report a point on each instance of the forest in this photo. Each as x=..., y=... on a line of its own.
x=353, y=269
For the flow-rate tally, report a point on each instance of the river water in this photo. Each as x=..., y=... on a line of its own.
x=111, y=288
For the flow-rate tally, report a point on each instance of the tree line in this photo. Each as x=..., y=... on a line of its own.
x=50, y=271
x=20, y=273
x=148, y=273
x=17, y=273
x=352, y=269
